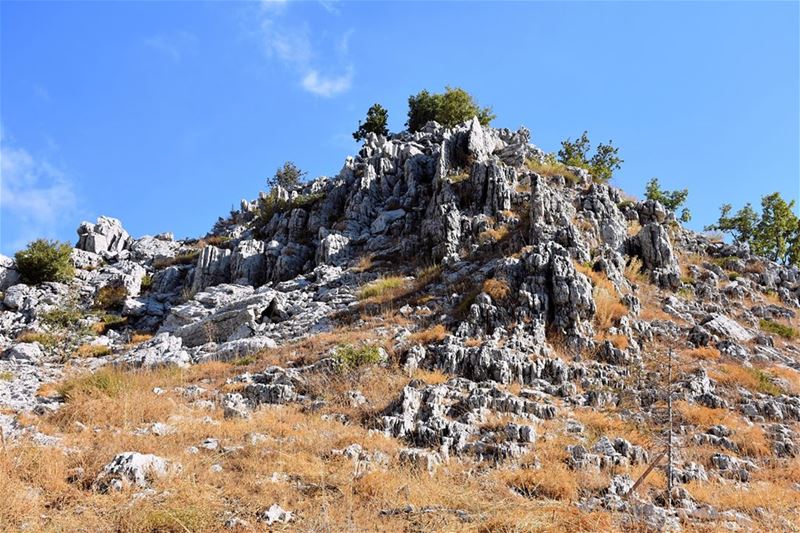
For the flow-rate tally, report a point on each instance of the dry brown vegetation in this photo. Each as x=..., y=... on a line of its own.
x=497, y=289
x=429, y=335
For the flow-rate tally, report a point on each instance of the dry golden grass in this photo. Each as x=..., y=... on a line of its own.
x=432, y=334
x=44, y=491
x=364, y=264
x=702, y=353
x=634, y=271
x=431, y=377
x=619, y=341
x=608, y=308
x=92, y=350
x=550, y=169
x=492, y=235
x=555, y=482
x=138, y=338
x=497, y=289
x=753, y=379
x=472, y=342
x=789, y=375
x=600, y=424
x=750, y=438
x=383, y=288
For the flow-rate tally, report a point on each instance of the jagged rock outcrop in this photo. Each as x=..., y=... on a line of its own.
x=106, y=235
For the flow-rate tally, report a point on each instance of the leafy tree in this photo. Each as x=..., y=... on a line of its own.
x=601, y=165
x=45, y=260
x=574, y=153
x=775, y=234
x=377, y=117
x=450, y=108
x=288, y=176
x=778, y=232
x=672, y=200
x=741, y=226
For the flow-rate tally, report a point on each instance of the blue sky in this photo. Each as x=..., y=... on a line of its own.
x=166, y=114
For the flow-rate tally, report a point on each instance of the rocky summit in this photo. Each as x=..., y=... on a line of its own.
x=451, y=334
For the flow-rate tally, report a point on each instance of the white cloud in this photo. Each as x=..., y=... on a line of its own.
x=293, y=46
x=174, y=45
x=35, y=197
x=325, y=86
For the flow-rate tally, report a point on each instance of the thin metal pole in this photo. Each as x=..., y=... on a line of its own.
x=669, y=444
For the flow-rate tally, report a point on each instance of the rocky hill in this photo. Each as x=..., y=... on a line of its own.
x=453, y=333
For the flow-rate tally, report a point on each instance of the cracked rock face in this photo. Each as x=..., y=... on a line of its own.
x=525, y=269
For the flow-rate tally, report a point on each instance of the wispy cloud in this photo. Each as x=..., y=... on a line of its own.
x=36, y=198
x=292, y=44
x=174, y=45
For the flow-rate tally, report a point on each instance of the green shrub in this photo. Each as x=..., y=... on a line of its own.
x=377, y=118
x=111, y=297
x=6, y=376
x=244, y=361
x=147, y=282
x=770, y=326
x=452, y=107
x=601, y=165
x=271, y=204
x=774, y=234
x=288, y=176
x=349, y=357
x=47, y=340
x=67, y=317
x=45, y=260
x=671, y=200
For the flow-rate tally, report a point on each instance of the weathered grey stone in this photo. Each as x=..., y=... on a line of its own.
x=8, y=273
x=106, y=235
x=131, y=468
x=213, y=268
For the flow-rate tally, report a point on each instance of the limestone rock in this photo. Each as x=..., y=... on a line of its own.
x=106, y=235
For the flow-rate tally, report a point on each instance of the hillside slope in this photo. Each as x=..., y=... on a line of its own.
x=452, y=334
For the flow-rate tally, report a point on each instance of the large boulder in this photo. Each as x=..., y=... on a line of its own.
x=8, y=273
x=106, y=235
x=162, y=350
x=213, y=268
x=131, y=469
x=655, y=248
x=248, y=263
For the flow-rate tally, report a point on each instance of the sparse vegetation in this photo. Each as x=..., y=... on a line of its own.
x=66, y=317
x=551, y=167
x=376, y=122
x=92, y=350
x=601, y=165
x=450, y=108
x=350, y=357
x=429, y=335
x=381, y=288
x=750, y=378
x=782, y=330
x=47, y=340
x=287, y=177
x=775, y=234
x=45, y=260
x=106, y=382
x=497, y=289
x=186, y=258
x=493, y=235
x=111, y=297
x=671, y=200
x=6, y=375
